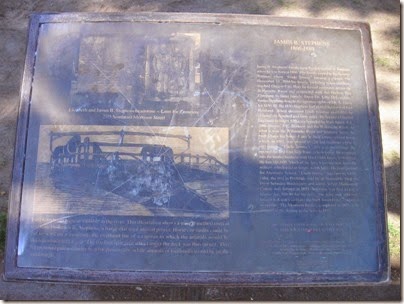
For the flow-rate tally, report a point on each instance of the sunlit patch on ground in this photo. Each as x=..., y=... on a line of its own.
x=394, y=239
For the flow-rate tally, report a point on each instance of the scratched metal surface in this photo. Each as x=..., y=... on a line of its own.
x=232, y=80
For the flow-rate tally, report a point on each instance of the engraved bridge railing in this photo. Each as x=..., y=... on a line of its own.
x=197, y=161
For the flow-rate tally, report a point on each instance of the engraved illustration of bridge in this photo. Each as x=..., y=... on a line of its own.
x=160, y=171
x=80, y=151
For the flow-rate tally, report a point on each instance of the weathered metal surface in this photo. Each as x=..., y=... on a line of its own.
x=197, y=149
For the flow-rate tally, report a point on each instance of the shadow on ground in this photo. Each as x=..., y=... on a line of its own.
x=393, y=190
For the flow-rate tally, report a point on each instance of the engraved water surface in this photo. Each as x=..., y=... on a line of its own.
x=79, y=194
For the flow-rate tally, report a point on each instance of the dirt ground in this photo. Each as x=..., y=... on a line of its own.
x=384, y=19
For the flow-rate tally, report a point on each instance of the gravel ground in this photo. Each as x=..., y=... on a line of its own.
x=384, y=18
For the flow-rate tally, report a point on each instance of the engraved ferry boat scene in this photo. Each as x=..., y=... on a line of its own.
x=120, y=172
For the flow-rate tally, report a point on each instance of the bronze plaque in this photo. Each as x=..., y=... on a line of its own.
x=186, y=148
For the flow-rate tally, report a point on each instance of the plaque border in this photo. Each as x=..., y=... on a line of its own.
x=13, y=272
